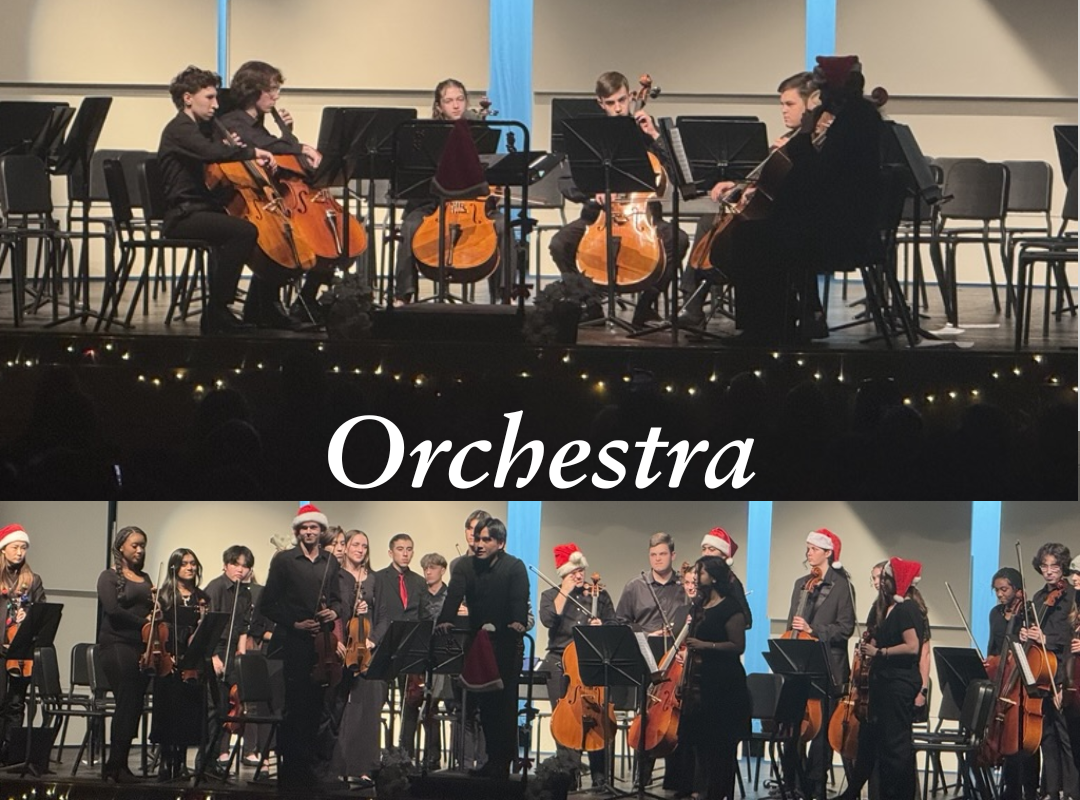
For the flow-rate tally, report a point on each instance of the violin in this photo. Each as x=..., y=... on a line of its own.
x=327, y=669
x=18, y=667
x=316, y=215
x=469, y=241
x=583, y=719
x=156, y=659
x=357, y=633
x=812, y=720
x=254, y=197
x=639, y=254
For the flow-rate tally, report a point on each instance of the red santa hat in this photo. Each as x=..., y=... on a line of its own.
x=480, y=672
x=568, y=558
x=834, y=70
x=826, y=540
x=905, y=574
x=13, y=533
x=308, y=513
x=460, y=173
x=719, y=539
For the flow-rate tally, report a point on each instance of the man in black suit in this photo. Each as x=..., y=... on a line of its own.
x=401, y=594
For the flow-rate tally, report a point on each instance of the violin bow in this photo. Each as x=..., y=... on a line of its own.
x=964, y=620
x=558, y=588
x=669, y=627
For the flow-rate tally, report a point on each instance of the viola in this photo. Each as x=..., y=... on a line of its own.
x=583, y=719
x=664, y=704
x=469, y=240
x=639, y=254
x=327, y=670
x=235, y=709
x=254, y=197
x=316, y=215
x=812, y=720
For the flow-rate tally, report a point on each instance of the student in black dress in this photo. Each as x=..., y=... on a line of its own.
x=358, y=750
x=716, y=704
x=20, y=588
x=829, y=616
x=125, y=597
x=561, y=612
x=1049, y=625
x=179, y=711
x=301, y=597
x=188, y=143
x=885, y=737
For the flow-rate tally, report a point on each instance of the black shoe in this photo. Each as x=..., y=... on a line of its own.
x=497, y=771
x=361, y=784
x=692, y=319
x=644, y=314
x=591, y=312
x=217, y=320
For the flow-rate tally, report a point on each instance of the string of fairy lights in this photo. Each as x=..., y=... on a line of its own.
x=926, y=390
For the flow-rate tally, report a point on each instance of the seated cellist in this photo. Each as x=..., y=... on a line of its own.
x=253, y=94
x=188, y=143
x=613, y=96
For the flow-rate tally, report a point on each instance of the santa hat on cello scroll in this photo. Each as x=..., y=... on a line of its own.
x=460, y=174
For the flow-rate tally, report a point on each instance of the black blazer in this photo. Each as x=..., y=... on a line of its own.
x=831, y=615
x=387, y=607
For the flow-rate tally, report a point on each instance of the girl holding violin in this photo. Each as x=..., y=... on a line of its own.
x=715, y=713
x=20, y=587
x=821, y=608
x=188, y=144
x=253, y=94
x=177, y=723
x=561, y=610
x=1019, y=772
x=126, y=598
x=885, y=736
x=1048, y=626
x=358, y=751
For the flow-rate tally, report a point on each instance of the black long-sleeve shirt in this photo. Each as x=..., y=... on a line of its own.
x=561, y=626
x=254, y=133
x=1000, y=628
x=221, y=592
x=638, y=609
x=1055, y=623
x=291, y=593
x=124, y=611
x=186, y=147
x=496, y=591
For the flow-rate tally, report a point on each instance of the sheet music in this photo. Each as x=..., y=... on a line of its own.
x=687, y=187
x=1025, y=667
x=646, y=652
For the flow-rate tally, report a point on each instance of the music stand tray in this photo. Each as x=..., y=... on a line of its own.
x=722, y=148
x=36, y=631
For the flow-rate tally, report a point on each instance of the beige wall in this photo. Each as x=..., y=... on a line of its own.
x=984, y=78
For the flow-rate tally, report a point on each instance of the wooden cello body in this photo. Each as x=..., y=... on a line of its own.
x=664, y=705
x=470, y=243
x=639, y=256
x=850, y=712
x=812, y=720
x=316, y=216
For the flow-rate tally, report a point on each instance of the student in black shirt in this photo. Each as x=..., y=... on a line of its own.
x=301, y=596
x=20, y=588
x=125, y=597
x=495, y=586
x=613, y=96
x=188, y=143
x=561, y=610
x=1051, y=626
x=885, y=737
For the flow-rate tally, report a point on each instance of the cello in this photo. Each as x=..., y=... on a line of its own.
x=639, y=254
x=470, y=242
x=583, y=719
x=664, y=704
x=851, y=711
x=316, y=214
x=255, y=198
x=812, y=720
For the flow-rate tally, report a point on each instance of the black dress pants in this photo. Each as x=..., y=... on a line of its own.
x=121, y=665
x=232, y=240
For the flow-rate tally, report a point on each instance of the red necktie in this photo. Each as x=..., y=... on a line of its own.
x=402, y=590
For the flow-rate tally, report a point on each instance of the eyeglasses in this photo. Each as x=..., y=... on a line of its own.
x=1049, y=567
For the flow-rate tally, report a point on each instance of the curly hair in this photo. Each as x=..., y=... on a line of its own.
x=191, y=81
x=442, y=86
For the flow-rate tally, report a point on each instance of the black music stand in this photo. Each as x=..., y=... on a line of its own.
x=403, y=651
x=722, y=148
x=357, y=143
x=1065, y=140
x=613, y=655
x=35, y=632
x=957, y=667
x=197, y=656
x=804, y=664
x=608, y=156
x=900, y=150
x=22, y=123
x=418, y=148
